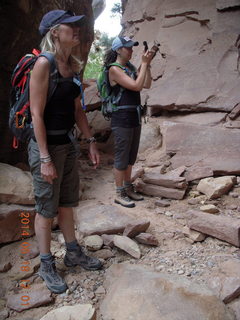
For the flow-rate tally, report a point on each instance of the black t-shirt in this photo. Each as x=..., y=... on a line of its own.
x=59, y=113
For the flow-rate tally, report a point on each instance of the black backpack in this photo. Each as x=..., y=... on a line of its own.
x=20, y=121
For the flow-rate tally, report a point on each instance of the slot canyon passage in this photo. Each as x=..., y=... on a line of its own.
x=175, y=256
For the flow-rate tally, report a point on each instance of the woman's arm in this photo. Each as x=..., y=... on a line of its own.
x=82, y=123
x=148, y=78
x=38, y=96
x=118, y=76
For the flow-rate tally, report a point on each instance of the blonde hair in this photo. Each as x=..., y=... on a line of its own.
x=47, y=45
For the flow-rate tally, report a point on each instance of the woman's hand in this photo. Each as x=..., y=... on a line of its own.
x=94, y=155
x=147, y=57
x=48, y=172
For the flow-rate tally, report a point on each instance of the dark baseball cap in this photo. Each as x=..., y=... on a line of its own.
x=55, y=17
x=120, y=42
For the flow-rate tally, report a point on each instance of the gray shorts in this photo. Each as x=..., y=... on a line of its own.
x=64, y=192
x=126, y=143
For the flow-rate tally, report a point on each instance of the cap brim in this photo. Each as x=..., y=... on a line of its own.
x=74, y=19
x=131, y=44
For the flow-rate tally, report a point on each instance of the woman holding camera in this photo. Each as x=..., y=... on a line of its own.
x=126, y=121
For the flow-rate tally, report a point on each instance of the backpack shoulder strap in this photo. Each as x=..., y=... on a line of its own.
x=117, y=65
x=51, y=60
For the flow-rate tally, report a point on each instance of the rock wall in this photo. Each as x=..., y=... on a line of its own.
x=19, y=20
x=196, y=69
x=196, y=80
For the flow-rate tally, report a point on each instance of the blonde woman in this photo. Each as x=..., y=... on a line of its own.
x=52, y=156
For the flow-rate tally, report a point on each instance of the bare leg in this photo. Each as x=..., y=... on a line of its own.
x=128, y=173
x=43, y=233
x=66, y=223
x=119, y=177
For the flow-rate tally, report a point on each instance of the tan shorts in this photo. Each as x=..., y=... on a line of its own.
x=64, y=192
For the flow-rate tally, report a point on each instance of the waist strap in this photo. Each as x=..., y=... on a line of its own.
x=127, y=107
x=57, y=132
x=70, y=135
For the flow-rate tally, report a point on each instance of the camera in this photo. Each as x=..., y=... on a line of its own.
x=154, y=48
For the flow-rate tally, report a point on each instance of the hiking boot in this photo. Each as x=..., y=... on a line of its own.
x=49, y=274
x=78, y=257
x=123, y=199
x=131, y=192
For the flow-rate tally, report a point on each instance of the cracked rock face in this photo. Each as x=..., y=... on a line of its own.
x=196, y=68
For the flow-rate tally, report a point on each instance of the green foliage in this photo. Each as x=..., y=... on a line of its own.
x=116, y=9
x=94, y=65
x=101, y=43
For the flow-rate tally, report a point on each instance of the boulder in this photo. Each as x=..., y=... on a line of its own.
x=16, y=222
x=16, y=185
x=214, y=188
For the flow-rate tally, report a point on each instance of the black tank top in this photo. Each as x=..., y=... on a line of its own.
x=126, y=118
x=60, y=110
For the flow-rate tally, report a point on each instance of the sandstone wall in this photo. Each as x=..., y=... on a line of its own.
x=19, y=20
x=197, y=67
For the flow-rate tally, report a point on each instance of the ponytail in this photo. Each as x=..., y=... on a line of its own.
x=109, y=57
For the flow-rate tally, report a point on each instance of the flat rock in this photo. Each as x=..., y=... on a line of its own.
x=195, y=173
x=127, y=245
x=193, y=235
x=162, y=203
x=100, y=219
x=34, y=297
x=209, y=208
x=147, y=238
x=159, y=191
x=76, y=312
x=221, y=227
x=153, y=295
x=24, y=269
x=108, y=240
x=226, y=281
x=132, y=230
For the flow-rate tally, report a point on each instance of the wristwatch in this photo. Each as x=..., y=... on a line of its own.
x=91, y=140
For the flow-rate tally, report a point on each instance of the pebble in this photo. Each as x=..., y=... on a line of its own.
x=180, y=272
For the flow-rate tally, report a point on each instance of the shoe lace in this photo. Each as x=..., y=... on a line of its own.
x=125, y=196
x=51, y=269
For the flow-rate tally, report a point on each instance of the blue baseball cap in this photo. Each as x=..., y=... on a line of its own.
x=54, y=17
x=120, y=42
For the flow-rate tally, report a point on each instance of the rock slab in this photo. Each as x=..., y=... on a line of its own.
x=138, y=292
x=223, y=228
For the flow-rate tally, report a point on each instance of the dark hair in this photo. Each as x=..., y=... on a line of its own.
x=109, y=57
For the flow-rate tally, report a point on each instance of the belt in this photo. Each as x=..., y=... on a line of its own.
x=127, y=107
x=137, y=107
x=70, y=135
